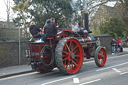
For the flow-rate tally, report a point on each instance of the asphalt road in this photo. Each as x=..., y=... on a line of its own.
x=115, y=72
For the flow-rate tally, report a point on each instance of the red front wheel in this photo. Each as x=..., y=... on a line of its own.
x=69, y=55
x=100, y=56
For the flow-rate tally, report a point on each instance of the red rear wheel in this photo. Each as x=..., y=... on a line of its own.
x=69, y=55
x=100, y=56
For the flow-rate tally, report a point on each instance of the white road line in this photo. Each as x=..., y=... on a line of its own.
x=90, y=82
x=112, y=66
x=88, y=62
x=117, y=56
x=18, y=76
x=107, y=58
x=116, y=70
x=76, y=80
x=123, y=73
x=58, y=80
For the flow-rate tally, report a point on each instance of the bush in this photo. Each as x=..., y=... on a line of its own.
x=113, y=26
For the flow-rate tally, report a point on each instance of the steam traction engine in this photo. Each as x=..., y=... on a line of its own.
x=66, y=52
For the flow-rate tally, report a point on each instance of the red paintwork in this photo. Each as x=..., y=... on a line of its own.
x=37, y=47
x=72, y=65
x=101, y=53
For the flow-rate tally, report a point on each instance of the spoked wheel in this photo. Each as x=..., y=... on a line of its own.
x=100, y=56
x=69, y=55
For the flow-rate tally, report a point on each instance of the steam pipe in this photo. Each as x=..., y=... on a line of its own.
x=85, y=22
x=85, y=15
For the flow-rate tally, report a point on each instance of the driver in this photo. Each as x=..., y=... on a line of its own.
x=50, y=29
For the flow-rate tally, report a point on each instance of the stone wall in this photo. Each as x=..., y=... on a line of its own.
x=9, y=51
x=105, y=40
x=9, y=34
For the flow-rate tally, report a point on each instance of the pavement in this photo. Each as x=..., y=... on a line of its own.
x=22, y=69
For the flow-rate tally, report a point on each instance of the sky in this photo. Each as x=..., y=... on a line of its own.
x=3, y=13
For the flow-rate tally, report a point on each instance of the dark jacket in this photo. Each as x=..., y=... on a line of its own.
x=50, y=30
x=113, y=43
x=34, y=30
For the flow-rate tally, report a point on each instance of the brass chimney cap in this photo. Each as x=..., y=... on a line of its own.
x=84, y=12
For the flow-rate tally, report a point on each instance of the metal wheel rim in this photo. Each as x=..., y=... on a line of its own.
x=72, y=56
x=101, y=57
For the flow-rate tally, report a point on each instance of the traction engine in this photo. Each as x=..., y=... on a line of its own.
x=66, y=51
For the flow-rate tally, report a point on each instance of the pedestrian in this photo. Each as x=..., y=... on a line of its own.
x=126, y=41
x=113, y=45
x=36, y=31
x=119, y=45
x=98, y=42
x=50, y=30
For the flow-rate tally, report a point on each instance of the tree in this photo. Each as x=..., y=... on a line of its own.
x=8, y=8
x=21, y=8
x=124, y=12
x=42, y=10
x=113, y=26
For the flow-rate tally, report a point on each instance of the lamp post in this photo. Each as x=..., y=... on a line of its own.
x=19, y=46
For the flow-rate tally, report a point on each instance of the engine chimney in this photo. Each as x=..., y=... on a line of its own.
x=85, y=22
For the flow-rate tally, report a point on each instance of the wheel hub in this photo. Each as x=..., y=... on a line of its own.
x=102, y=56
x=72, y=55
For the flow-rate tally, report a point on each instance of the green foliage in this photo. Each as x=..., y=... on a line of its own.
x=42, y=10
x=113, y=26
x=0, y=27
x=21, y=8
x=95, y=32
x=4, y=39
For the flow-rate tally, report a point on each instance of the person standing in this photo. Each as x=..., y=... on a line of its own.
x=119, y=44
x=113, y=45
x=35, y=31
x=126, y=41
x=98, y=42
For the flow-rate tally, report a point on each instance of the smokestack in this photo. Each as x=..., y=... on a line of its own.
x=85, y=15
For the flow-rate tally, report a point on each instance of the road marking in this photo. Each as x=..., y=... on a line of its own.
x=116, y=70
x=58, y=80
x=18, y=76
x=117, y=56
x=76, y=80
x=90, y=82
x=112, y=66
x=123, y=73
x=88, y=62
x=107, y=58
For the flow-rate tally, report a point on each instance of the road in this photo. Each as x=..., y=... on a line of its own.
x=115, y=72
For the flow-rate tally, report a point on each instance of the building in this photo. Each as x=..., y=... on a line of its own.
x=104, y=13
